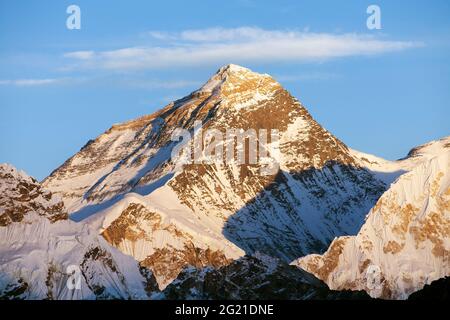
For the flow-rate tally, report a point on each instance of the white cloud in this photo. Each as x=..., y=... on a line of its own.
x=29, y=82
x=81, y=55
x=234, y=34
x=134, y=82
x=217, y=46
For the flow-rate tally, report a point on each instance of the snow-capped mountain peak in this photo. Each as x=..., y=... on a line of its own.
x=233, y=79
x=222, y=209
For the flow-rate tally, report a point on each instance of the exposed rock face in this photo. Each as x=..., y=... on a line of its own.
x=41, y=252
x=252, y=278
x=21, y=195
x=138, y=228
x=403, y=245
x=167, y=263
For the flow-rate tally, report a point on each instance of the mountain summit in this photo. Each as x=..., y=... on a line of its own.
x=125, y=180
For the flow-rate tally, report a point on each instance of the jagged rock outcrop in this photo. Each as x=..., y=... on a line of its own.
x=21, y=195
x=252, y=278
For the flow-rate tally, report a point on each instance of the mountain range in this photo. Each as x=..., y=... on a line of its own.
x=124, y=216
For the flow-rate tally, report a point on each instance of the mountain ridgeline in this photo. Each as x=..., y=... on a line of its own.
x=210, y=222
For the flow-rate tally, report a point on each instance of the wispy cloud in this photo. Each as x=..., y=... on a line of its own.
x=82, y=55
x=215, y=46
x=224, y=34
x=31, y=82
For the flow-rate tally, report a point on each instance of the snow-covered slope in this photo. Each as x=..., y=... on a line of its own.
x=405, y=241
x=319, y=192
x=41, y=252
x=389, y=171
x=163, y=237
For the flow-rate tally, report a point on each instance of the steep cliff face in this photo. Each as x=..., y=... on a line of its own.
x=217, y=209
x=45, y=256
x=405, y=241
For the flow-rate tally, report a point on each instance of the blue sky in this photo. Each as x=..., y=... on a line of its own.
x=380, y=91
